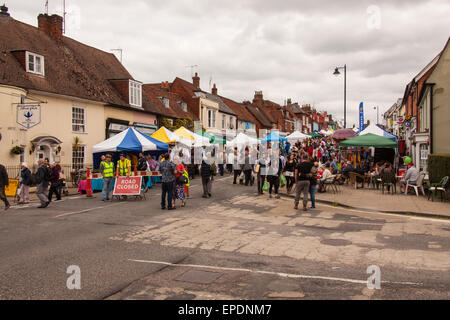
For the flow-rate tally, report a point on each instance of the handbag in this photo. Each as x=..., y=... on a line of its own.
x=257, y=168
x=282, y=181
x=265, y=186
x=181, y=180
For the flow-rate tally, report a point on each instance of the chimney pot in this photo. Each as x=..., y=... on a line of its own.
x=214, y=90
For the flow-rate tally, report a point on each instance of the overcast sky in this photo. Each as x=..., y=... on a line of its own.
x=287, y=49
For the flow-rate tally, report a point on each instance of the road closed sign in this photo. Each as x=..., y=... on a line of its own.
x=127, y=186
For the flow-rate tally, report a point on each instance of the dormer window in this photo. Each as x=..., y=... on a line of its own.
x=35, y=63
x=135, y=93
x=183, y=105
x=164, y=101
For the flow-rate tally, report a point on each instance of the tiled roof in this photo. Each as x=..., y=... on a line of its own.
x=193, y=91
x=154, y=91
x=239, y=109
x=71, y=68
x=259, y=115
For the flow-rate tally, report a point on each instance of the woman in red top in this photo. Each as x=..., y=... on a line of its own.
x=179, y=188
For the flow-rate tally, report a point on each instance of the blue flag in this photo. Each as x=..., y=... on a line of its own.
x=361, y=117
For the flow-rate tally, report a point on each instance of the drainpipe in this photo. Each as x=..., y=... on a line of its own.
x=431, y=117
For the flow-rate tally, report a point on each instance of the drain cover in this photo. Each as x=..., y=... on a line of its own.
x=199, y=276
x=336, y=242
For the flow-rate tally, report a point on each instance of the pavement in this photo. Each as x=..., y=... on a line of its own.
x=235, y=245
x=374, y=200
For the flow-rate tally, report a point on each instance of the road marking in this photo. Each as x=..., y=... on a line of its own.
x=86, y=210
x=280, y=274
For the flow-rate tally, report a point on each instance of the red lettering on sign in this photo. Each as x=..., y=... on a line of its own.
x=127, y=186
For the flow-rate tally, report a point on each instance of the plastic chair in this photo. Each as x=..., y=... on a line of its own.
x=419, y=185
x=439, y=187
x=388, y=180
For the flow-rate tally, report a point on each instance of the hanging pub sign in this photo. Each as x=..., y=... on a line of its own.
x=28, y=115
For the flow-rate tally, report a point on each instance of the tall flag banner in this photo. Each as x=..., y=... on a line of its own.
x=361, y=117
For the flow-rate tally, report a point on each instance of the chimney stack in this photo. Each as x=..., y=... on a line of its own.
x=196, y=81
x=214, y=90
x=258, y=99
x=52, y=25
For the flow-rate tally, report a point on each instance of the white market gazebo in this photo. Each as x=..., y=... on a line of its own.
x=297, y=135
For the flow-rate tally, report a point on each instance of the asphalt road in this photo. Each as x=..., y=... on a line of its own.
x=235, y=245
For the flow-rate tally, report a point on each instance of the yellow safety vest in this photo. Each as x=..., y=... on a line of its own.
x=108, y=169
x=123, y=167
x=186, y=174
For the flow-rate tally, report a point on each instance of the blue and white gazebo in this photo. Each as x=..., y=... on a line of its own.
x=130, y=140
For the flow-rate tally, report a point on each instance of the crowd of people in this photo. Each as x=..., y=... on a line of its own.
x=304, y=167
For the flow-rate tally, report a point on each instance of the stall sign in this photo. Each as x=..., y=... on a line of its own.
x=127, y=186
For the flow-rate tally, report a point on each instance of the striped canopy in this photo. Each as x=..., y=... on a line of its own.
x=130, y=140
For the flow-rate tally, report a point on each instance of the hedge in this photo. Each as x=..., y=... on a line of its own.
x=438, y=166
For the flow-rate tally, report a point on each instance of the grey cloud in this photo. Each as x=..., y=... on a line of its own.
x=286, y=48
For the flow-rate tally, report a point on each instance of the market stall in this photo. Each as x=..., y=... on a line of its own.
x=297, y=136
x=377, y=130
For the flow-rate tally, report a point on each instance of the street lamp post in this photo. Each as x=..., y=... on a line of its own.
x=377, y=113
x=336, y=73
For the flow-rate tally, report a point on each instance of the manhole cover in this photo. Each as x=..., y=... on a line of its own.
x=199, y=276
x=336, y=242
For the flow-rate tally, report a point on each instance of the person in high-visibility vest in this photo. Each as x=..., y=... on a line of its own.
x=186, y=186
x=123, y=166
x=107, y=171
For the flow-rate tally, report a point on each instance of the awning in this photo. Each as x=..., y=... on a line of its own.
x=129, y=140
x=369, y=140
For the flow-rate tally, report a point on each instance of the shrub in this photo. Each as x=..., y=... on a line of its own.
x=438, y=166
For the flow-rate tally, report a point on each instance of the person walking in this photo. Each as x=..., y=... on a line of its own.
x=167, y=169
x=179, y=185
x=205, y=172
x=4, y=182
x=313, y=184
x=42, y=178
x=107, y=172
x=302, y=177
x=247, y=167
x=186, y=185
x=236, y=165
x=261, y=171
x=288, y=172
x=142, y=166
x=54, y=183
x=25, y=180
x=273, y=176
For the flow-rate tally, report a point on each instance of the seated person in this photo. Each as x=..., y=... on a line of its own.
x=326, y=176
x=412, y=174
x=347, y=169
x=387, y=168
